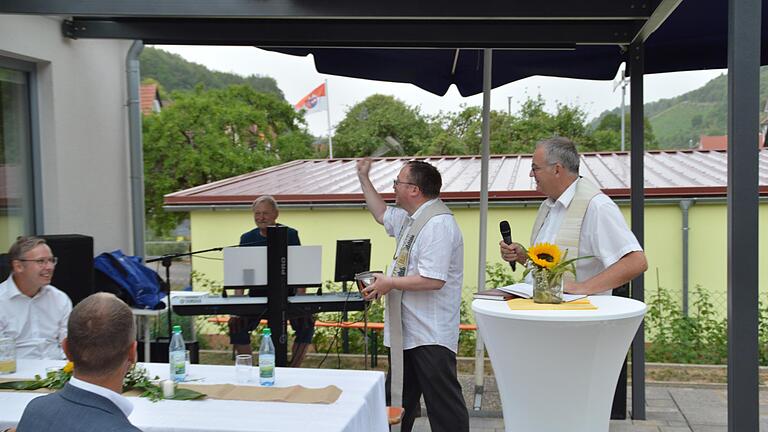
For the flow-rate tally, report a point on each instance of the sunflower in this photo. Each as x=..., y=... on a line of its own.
x=68, y=367
x=545, y=255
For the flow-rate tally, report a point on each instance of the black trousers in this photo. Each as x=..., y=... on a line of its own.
x=431, y=370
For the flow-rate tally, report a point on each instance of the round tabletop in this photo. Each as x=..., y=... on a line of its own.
x=608, y=308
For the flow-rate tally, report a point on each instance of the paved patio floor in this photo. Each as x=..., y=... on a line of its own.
x=668, y=409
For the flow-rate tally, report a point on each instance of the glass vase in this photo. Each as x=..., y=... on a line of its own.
x=547, y=289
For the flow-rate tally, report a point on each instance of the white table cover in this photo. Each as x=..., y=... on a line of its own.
x=557, y=369
x=361, y=406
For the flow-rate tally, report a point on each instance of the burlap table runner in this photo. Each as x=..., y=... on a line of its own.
x=528, y=304
x=291, y=394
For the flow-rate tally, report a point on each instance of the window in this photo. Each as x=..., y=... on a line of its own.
x=17, y=215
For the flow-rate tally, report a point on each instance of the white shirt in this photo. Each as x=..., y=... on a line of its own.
x=430, y=317
x=124, y=404
x=37, y=324
x=604, y=233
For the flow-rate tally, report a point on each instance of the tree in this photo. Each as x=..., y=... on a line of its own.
x=534, y=124
x=461, y=133
x=607, y=134
x=368, y=123
x=209, y=135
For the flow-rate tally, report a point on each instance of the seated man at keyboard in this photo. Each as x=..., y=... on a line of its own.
x=265, y=212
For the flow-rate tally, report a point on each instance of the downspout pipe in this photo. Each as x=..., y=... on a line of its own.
x=685, y=205
x=133, y=78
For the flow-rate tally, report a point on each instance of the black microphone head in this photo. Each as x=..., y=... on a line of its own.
x=504, y=228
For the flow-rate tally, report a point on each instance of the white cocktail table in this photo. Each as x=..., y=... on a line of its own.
x=557, y=370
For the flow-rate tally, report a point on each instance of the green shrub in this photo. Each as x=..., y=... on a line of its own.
x=699, y=338
x=498, y=275
x=160, y=248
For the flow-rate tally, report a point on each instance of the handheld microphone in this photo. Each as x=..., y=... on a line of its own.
x=506, y=235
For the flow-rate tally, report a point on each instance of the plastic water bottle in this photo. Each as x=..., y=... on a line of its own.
x=177, y=355
x=267, y=359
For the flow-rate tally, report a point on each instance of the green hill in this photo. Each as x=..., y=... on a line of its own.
x=175, y=73
x=680, y=125
x=678, y=122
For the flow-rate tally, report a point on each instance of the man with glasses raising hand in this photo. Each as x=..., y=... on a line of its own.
x=423, y=295
x=33, y=312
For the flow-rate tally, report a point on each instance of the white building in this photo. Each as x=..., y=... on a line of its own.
x=65, y=153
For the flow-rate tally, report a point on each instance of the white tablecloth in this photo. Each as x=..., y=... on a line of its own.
x=557, y=369
x=361, y=406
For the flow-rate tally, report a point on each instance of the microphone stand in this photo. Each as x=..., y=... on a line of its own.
x=166, y=261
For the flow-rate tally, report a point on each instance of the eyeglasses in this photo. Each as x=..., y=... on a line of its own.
x=396, y=182
x=42, y=261
x=536, y=168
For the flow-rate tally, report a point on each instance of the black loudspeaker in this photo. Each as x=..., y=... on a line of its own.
x=352, y=256
x=74, y=271
x=5, y=267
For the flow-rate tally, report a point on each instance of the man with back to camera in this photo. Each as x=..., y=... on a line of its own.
x=33, y=312
x=424, y=289
x=265, y=213
x=101, y=342
x=577, y=216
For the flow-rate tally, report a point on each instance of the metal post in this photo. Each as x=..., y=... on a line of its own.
x=637, y=153
x=743, y=125
x=479, y=347
x=509, y=105
x=328, y=118
x=623, y=98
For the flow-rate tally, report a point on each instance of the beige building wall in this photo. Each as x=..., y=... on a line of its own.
x=663, y=240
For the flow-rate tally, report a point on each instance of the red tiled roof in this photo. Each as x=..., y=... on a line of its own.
x=720, y=142
x=148, y=94
x=667, y=174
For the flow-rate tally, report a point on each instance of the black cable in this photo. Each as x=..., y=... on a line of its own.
x=335, y=339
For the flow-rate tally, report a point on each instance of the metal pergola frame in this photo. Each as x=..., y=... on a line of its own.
x=494, y=24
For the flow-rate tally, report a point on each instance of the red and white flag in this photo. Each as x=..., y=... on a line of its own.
x=315, y=101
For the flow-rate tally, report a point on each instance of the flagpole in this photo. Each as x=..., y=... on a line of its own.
x=328, y=114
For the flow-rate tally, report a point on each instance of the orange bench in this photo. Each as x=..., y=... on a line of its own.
x=373, y=328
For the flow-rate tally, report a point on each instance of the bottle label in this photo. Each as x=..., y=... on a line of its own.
x=266, y=366
x=178, y=363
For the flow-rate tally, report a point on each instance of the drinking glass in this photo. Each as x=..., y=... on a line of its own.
x=243, y=368
x=7, y=355
x=364, y=279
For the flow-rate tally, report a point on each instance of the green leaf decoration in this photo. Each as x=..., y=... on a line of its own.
x=21, y=385
x=136, y=379
x=187, y=394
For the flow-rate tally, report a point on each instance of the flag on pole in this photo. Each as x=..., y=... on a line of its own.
x=315, y=101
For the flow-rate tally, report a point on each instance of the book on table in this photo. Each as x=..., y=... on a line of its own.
x=494, y=294
x=525, y=290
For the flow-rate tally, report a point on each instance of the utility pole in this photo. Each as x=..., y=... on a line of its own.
x=509, y=105
x=623, y=82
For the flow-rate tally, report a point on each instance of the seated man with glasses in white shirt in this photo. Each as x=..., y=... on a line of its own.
x=32, y=312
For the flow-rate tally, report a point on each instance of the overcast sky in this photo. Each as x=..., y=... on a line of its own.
x=296, y=76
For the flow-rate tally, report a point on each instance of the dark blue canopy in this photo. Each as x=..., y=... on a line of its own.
x=694, y=37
